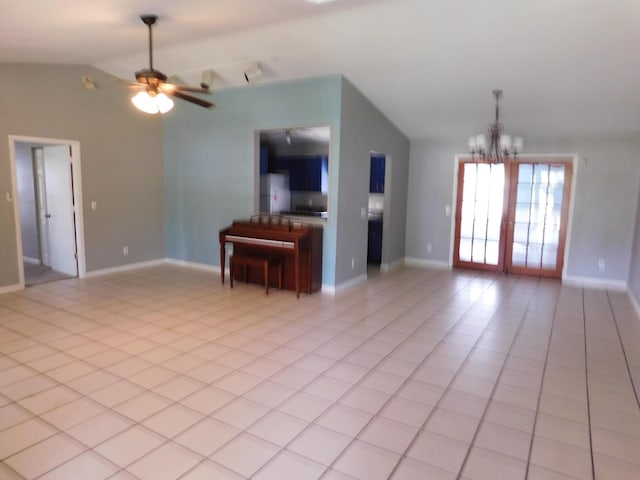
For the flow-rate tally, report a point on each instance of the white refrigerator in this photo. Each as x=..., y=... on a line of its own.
x=275, y=196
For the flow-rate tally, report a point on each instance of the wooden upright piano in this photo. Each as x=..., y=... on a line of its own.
x=300, y=246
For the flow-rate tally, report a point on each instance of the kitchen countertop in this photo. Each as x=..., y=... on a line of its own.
x=305, y=213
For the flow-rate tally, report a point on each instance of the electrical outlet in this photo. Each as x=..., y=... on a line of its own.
x=94, y=205
x=353, y=263
x=429, y=247
x=601, y=265
x=125, y=250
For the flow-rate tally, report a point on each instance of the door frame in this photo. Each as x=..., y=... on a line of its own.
x=573, y=157
x=77, y=195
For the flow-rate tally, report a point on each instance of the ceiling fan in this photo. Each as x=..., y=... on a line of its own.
x=154, y=97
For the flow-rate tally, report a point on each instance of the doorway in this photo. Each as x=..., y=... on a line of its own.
x=376, y=209
x=47, y=182
x=512, y=217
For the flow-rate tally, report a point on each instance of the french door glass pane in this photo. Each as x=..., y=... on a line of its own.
x=538, y=210
x=534, y=254
x=481, y=213
x=465, y=250
x=549, y=255
x=493, y=252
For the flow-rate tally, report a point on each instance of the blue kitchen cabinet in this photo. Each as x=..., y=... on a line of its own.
x=264, y=160
x=374, y=244
x=306, y=173
x=297, y=174
x=279, y=165
x=376, y=178
x=316, y=174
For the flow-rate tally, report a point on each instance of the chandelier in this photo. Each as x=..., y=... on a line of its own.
x=501, y=147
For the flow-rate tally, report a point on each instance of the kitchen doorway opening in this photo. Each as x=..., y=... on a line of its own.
x=376, y=205
x=293, y=171
x=48, y=209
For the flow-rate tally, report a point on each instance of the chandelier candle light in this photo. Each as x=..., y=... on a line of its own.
x=501, y=147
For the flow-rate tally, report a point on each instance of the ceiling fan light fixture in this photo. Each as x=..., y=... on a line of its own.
x=154, y=98
x=164, y=103
x=152, y=104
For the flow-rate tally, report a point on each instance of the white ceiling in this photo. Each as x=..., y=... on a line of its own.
x=566, y=66
x=307, y=136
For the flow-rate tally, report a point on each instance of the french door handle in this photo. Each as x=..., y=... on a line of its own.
x=48, y=215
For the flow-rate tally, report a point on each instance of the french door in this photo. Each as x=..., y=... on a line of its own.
x=512, y=217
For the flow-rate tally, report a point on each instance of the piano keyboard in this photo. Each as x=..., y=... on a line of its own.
x=261, y=241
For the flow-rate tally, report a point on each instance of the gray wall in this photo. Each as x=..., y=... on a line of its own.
x=365, y=129
x=122, y=168
x=211, y=167
x=605, y=209
x=27, y=201
x=430, y=188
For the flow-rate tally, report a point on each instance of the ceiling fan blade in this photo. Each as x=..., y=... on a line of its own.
x=190, y=98
x=168, y=87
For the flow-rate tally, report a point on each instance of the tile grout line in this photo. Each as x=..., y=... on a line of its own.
x=540, y=388
x=310, y=423
x=446, y=390
x=272, y=409
x=586, y=375
x=409, y=378
x=380, y=327
x=328, y=467
x=624, y=350
x=495, y=387
x=107, y=408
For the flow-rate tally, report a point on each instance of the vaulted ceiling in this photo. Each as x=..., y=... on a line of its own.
x=567, y=67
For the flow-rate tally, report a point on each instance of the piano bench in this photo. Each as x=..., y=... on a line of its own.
x=265, y=262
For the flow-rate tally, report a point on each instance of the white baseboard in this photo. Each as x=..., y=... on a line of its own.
x=333, y=289
x=196, y=265
x=125, y=268
x=11, y=288
x=390, y=267
x=591, y=282
x=330, y=289
x=421, y=262
x=634, y=302
x=34, y=261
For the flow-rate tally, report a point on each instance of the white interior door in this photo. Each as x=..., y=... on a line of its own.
x=59, y=204
x=41, y=203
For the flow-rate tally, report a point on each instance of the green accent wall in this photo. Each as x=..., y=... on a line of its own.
x=210, y=161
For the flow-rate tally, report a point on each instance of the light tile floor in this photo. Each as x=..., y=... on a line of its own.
x=163, y=373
